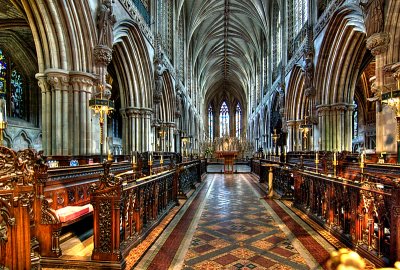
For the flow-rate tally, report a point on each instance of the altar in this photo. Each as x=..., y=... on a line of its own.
x=228, y=157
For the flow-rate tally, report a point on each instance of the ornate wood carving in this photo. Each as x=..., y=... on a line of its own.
x=105, y=226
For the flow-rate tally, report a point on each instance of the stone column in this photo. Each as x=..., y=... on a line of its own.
x=291, y=138
x=82, y=84
x=378, y=44
x=125, y=132
x=46, y=112
x=146, y=114
x=339, y=127
x=59, y=84
x=323, y=125
x=348, y=134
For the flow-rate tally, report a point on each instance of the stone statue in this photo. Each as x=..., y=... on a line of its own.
x=178, y=102
x=105, y=23
x=158, y=78
x=373, y=15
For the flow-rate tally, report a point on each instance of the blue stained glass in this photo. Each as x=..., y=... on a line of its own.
x=16, y=95
x=14, y=84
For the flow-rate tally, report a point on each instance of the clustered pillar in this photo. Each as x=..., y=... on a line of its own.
x=66, y=117
x=336, y=126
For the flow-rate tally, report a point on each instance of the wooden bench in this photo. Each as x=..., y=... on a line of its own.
x=63, y=199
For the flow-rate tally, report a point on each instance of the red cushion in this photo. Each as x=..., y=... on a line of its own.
x=69, y=213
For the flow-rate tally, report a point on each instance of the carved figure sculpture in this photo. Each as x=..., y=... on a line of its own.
x=105, y=23
x=158, y=80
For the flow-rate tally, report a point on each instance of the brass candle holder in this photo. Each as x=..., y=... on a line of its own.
x=334, y=163
x=362, y=163
x=150, y=163
x=316, y=162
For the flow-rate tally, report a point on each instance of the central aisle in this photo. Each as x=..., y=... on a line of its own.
x=227, y=225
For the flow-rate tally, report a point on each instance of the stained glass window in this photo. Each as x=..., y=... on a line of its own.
x=238, y=116
x=11, y=82
x=224, y=120
x=210, y=123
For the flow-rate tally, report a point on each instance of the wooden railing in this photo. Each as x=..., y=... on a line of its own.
x=283, y=183
x=126, y=210
x=189, y=175
x=360, y=208
x=58, y=188
x=363, y=214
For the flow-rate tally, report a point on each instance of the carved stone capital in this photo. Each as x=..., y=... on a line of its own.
x=323, y=108
x=81, y=80
x=57, y=79
x=339, y=107
x=378, y=43
x=102, y=55
x=130, y=112
x=42, y=82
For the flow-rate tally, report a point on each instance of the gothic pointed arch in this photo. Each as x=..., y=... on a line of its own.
x=339, y=59
x=133, y=66
x=168, y=104
x=336, y=74
x=295, y=94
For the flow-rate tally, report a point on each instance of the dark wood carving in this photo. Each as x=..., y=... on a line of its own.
x=16, y=204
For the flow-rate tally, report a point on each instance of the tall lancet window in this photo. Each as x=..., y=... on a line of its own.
x=224, y=120
x=238, y=117
x=210, y=123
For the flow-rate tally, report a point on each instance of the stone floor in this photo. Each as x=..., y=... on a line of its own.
x=218, y=168
x=229, y=225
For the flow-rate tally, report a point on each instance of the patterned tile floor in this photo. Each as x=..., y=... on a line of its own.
x=228, y=226
x=218, y=168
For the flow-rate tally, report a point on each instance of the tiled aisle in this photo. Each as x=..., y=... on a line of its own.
x=228, y=226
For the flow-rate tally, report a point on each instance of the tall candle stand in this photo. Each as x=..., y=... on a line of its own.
x=316, y=162
x=150, y=163
x=162, y=162
x=334, y=163
x=362, y=163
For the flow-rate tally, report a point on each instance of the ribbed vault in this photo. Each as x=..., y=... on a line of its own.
x=224, y=44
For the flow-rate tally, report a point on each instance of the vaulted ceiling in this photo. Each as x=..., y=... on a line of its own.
x=16, y=37
x=225, y=40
